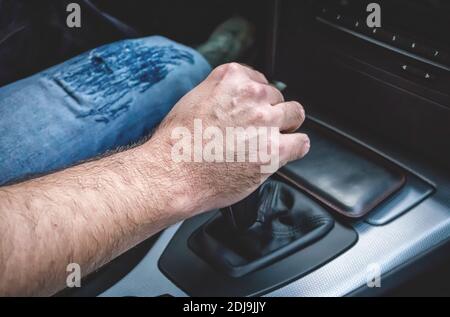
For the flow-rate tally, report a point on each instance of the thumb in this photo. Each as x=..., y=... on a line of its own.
x=293, y=146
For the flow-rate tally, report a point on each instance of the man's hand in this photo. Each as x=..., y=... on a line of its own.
x=239, y=97
x=91, y=213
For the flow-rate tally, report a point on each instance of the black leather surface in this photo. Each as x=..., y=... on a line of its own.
x=197, y=277
x=272, y=223
x=343, y=175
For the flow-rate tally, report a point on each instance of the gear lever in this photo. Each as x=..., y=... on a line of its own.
x=243, y=214
x=273, y=222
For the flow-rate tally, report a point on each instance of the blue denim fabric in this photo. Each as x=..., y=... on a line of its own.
x=108, y=97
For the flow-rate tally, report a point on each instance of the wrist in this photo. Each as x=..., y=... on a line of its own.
x=170, y=184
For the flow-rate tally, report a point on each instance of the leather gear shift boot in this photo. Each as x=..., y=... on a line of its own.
x=272, y=223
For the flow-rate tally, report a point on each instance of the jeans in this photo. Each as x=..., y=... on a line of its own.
x=108, y=97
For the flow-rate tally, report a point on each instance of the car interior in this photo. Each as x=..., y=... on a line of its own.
x=371, y=200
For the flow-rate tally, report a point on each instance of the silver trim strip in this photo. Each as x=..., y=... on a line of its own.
x=146, y=279
x=388, y=246
x=414, y=233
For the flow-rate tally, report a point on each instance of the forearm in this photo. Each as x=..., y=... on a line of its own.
x=91, y=213
x=87, y=214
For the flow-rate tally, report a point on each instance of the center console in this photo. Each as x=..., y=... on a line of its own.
x=297, y=221
x=372, y=192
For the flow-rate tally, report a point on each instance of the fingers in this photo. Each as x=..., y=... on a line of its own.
x=274, y=96
x=259, y=94
x=290, y=115
x=255, y=75
x=293, y=147
x=252, y=82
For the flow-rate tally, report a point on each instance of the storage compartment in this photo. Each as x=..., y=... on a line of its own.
x=352, y=180
x=347, y=177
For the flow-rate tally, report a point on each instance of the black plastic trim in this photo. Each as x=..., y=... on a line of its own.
x=198, y=278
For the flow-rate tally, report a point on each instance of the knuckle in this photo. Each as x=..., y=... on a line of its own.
x=235, y=102
x=276, y=91
x=280, y=95
x=258, y=116
x=232, y=68
x=219, y=71
x=253, y=89
x=226, y=69
x=263, y=77
x=257, y=74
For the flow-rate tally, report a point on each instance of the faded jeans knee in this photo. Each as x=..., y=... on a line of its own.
x=108, y=97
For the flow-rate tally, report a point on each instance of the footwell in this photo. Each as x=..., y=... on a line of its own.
x=101, y=81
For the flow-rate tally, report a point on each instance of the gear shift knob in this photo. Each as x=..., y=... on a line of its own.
x=243, y=214
x=258, y=206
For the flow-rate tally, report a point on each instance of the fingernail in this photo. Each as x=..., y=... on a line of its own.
x=307, y=145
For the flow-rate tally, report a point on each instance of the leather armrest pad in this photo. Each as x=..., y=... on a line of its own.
x=344, y=175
